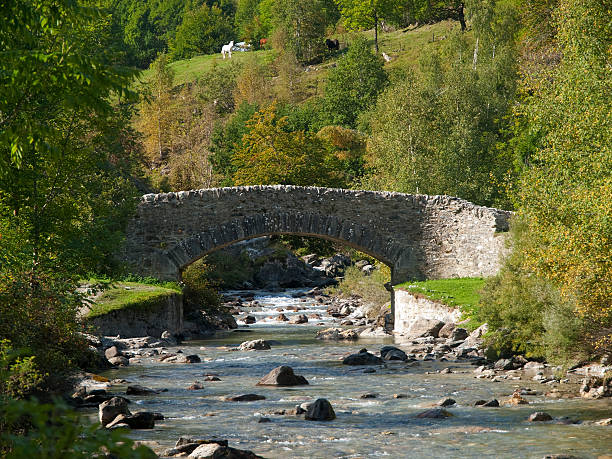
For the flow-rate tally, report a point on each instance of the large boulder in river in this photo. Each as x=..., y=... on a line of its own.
x=219, y=451
x=320, y=410
x=109, y=410
x=424, y=327
x=392, y=353
x=255, y=345
x=363, y=357
x=282, y=376
x=137, y=389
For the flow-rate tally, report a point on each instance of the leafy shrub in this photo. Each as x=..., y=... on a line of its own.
x=370, y=288
x=200, y=291
x=38, y=314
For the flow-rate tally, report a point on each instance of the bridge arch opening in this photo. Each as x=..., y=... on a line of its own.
x=193, y=247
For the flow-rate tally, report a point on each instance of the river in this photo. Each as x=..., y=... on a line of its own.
x=373, y=427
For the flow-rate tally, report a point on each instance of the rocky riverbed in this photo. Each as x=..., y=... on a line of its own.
x=431, y=395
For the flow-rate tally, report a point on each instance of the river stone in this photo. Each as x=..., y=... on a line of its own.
x=109, y=410
x=244, y=398
x=539, y=416
x=196, y=386
x=369, y=395
x=392, y=353
x=337, y=334
x=446, y=402
x=140, y=420
x=137, y=389
x=111, y=352
x=119, y=361
x=320, y=410
x=282, y=318
x=193, y=358
x=217, y=451
x=491, y=403
x=424, y=327
x=459, y=334
x=282, y=376
x=299, y=319
x=435, y=413
x=255, y=345
x=363, y=357
x=249, y=319
x=446, y=330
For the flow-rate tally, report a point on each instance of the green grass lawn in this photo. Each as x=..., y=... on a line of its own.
x=462, y=292
x=122, y=295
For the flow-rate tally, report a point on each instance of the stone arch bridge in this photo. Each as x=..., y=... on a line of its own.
x=418, y=236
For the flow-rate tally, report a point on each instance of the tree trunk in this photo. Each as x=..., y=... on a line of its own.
x=461, y=17
x=375, y=31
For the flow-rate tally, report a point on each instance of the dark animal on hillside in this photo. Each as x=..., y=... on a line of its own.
x=332, y=44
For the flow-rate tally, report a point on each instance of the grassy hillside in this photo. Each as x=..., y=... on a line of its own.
x=403, y=46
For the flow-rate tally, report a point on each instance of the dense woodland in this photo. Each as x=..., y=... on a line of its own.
x=504, y=103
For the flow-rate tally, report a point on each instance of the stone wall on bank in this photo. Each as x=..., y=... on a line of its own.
x=152, y=320
x=410, y=307
x=418, y=236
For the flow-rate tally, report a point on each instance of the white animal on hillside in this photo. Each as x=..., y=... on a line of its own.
x=227, y=49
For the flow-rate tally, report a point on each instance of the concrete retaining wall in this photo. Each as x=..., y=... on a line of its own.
x=409, y=307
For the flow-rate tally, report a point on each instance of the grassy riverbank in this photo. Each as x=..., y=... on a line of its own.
x=126, y=295
x=463, y=293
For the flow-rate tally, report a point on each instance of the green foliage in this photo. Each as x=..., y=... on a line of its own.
x=565, y=193
x=63, y=188
x=527, y=314
x=52, y=431
x=19, y=375
x=227, y=138
x=371, y=288
x=303, y=27
x=200, y=291
x=440, y=130
x=38, y=316
x=203, y=31
x=271, y=155
x=353, y=86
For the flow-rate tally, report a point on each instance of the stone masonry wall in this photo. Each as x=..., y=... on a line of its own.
x=418, y=236
x=136, y=322
x=410, y=307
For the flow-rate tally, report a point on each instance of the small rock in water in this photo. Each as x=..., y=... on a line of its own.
x=192, y=359
x=435, y=413
x=244, y=398
x=446, y=402
x=196, y=386
x=492, y=403
x=282, y=376
x=363, y=357
x=299, y=319
x=249, y=319
x=140, y=390
x=217, y=451
x=255, y=345
x=282, y=318
x=369, y=395
x=212, y=378
x=392, y=353
x=320, y=410
x=400, y=396
x=262, y=420
x=446, y=371
x=369, y=370
x=539, y=416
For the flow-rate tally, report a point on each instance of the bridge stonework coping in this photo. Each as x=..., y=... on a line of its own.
x=418, y=236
